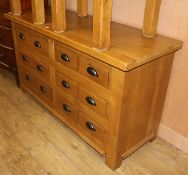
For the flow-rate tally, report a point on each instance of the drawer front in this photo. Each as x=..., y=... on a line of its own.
x=4, y=22
x=22, y=36
x=6, y=37
x=94, y=70
x=40, y=69
x=93, y=102
x=7, y=56
x=91, y=129
x=66, y=56
x=28, y=79
x=38, y=44
x=44, y=90
x=67, y=110
x=66, y=85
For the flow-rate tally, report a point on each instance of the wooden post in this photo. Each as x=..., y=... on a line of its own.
x=58, y=15
x=152, y=10
x=15, y=7
x=82, y=7
x=102, y=14
x=38, y=11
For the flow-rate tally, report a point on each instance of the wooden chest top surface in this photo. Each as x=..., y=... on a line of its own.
x=129, y=49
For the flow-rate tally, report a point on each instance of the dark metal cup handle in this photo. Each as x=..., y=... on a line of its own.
x=37, y=44
x=65, y=84
x=43, y=89
x=64, y=57
x=92, y=71
x=40, y=68
x=66, y=108
x=91, y=101
x=22, y=36
x=90, y=126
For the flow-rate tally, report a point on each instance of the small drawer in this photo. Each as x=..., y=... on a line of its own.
x=28, y=80
x=95, y=70
x=38, y=44
x=41, y=69
x=7, y=56
x=31, y=63
x=67, y=110
x=93, y=102
x=4, y=22
x=6, y=37
x=66, y=56
x=91, y=129
x=22, y=36
x=66, y=85
x=44, y=90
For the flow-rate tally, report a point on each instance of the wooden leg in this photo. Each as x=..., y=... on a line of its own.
x=153, y=138
x=112, y=161
x=17, y=79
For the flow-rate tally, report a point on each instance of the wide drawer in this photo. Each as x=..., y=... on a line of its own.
x=40, y=69
x=6, y=37
x=33, y=42
x=4, y=22
x=96, y=71
x=91, y=129
x=7, y=56
x=92, y=101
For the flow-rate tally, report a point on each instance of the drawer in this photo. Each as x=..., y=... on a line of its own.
x=38, y=44
x=66, y=56
x=22, y=36
x=67, y=110
x=4, y=22
x=28, y=79
x=36, y=66
x=66, y=85
x=91, y=129
x=95, y=70
x=44, y=90
x=7, y=56
x=93, y=102
x=6, y=37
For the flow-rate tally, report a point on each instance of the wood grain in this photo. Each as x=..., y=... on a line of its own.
x=151, y=17
x=58, y=8
x=102, y=14
x=38, y=14
x=82, y=7
x=15, y=7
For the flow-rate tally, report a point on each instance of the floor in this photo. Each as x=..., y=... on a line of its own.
x=33, y=142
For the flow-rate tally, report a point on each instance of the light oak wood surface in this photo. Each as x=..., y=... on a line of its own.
x=82, y=7
x=123, y=53
x=15, y=7
x=34, y=142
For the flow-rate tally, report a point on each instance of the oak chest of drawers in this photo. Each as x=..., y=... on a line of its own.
x=112, y=99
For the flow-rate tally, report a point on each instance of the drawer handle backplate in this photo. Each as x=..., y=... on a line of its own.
x=90, y=126
x=40, y=68
x=64, y=57
x=92, y=71
x=65, y=84
x=66, y=108
x=37, y=44
x=43, y=89
x=91, y=101
x=22, y=36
